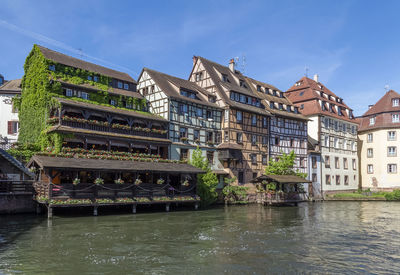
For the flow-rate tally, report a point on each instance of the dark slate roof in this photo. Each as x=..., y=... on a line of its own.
x=15, y=163
x=169, y=84
x=81, y=64
x=112, y=165
x=133, y=113
x=230, y=146
x=280, y=179
x=12, y=87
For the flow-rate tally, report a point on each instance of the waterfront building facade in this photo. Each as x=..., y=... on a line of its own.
x=332, y=124
x=9, y=122
x=245, y=121
x=378, y=143
x=194, y=117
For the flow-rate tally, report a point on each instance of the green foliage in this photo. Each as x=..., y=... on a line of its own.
x=234, y=194
x=23, y=152
x=284, y=166
x=393, y=196
x=206, y=183
x=270, y=186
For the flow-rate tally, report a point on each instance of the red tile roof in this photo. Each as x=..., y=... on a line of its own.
x=306, y=95
x=382, y=111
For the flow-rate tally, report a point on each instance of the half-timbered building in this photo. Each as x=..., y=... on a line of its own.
x=244, y=147
x=194, y=117
x=332, y=124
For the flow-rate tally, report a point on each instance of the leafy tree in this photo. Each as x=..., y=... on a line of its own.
x=206, y=183
x=234, y=193
x=283, y=166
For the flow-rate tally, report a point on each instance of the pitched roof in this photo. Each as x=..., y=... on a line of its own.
x=212, y=68
x=168, y=84
x=81, y=64
x=382, y=111
x=306, y=92
x=112, y=165
x=15, y=163
x=280, y=179
x=12, y=86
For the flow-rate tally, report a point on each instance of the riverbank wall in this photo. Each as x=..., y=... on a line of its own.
x=16, y=203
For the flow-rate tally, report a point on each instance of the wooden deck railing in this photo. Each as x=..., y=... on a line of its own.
x=16, y=187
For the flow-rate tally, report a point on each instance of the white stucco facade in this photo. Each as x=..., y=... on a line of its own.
x=8, y=118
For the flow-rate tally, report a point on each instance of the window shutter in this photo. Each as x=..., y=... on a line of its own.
x=10, y=128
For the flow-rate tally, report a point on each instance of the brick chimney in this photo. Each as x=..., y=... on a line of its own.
x=232, y=65
x=316, y=78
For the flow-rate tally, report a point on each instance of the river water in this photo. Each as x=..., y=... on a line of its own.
x=329, y=237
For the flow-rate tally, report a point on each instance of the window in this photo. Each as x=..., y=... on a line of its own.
x=372, y=121
x=85, y=95
x=225, y=78
x=90, y=77
x=336, y=142
x=52, y=68
x=345, y=164
x=302, y=162
x=68, y=92
x=253, y=158
x=337, y=165
x=226, y=136
x=128, y=105
x=391, y=135
x=392, y=152
x=199, y=76
x=112, y=102
x=182, y=132
x=242, y=84
x=12, y=127
x=258, y=88
x=337, y=180
x=96, y=78
x=301, y=106
x=370, y=169
x=370, y=153
x=210, y=137
x=272, y=105
x=183, y=109
x=119, y=85
x=210, y=157
x=265, y=122
x=209, y=114
x=264, y=140
x=370, y=138
x=196, y=135
x=264, y=159
x=239, y=137
x=199, y=112
x=326, y=141
x=395, y=102
x=392, y=168
x=240, y=177
x=254, y=120
x=218, y=137
x=126, y=87
x=314, y=162
x=253, y=139
x=254, y=175
x=239, y=117
x=327, y=162
x=395, y=118
x=184, y=154
x=354, y=164
x=346, y=180
x=328, y=179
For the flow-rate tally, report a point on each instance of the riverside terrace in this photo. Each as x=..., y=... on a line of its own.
x=75, y=181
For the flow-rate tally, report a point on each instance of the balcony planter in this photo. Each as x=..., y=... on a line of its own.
x=184, y=139
x=119, y=181
x=98, y=181
x=138, y=181
x=185, y=183
x=76, y=181
x=160, y=181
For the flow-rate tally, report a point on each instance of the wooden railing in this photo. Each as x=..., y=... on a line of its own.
x=16, y=187
x=111, y=129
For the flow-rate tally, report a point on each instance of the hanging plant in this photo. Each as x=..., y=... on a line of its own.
x=119, y=181
x=76, y=181
x=160, y=181
x=185, y=183
x=138, y=181
x=99, y=181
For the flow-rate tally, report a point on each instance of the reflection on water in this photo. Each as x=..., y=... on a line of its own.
x=328, y=237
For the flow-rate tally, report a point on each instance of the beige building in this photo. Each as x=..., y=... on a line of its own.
x=379, y=139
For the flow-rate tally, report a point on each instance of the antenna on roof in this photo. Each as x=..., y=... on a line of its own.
x=306, y=69
x=387, y=87
x=241, y=63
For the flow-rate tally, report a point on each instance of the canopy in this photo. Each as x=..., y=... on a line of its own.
x=280, y=179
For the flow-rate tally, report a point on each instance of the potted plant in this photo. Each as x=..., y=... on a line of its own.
x=76, y=181
x=185, y=183
x=98, y=181
x=160, y=181
x=119, y=181
x=138, y=181
x=184, y=139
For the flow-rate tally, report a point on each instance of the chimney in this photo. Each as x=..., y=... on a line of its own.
x=194, y=59
x=232, y=65
x=316, y=78
x=370, y=106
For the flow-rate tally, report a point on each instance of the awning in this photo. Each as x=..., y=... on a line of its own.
x=280, y=179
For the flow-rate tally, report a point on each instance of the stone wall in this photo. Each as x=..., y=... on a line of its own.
x=13, y=204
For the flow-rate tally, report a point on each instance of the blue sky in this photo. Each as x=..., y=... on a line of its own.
x=352, y=45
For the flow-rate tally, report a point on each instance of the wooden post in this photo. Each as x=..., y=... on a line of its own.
x=95, y=211
x=38, y=209
x=196, y=206
x=134, y=209
x=167, y=207
x=49, y=212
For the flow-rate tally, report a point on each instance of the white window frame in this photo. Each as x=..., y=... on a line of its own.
x=392, y=168
x=395, y=118
x=395, y=102
x=391, y=137
x=370, y=169
x=372, y=121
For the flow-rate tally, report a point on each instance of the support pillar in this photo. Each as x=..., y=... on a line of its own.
x=196, y=206
x=38, y=208
x=49, y=212
x=134, y=209
x=95, y=211
x=167, y=207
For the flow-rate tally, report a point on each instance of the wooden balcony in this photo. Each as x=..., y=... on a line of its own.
x=12, y=187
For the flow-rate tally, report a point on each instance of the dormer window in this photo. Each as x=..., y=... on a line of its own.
x=113, y=102
x=372, y=121
x=281, y=95
x=301, y=106
x=90, y=78
x=225, y=78
x=296, y=110
x=242, y=99
x=212, y=99
x=274, y=92
x=331, y=108
x=323, y=105
x=266, y=90
x=298, y=83
x=126, y=87
x=242, y=84
x=280, y=106
x=52, y=68
x=119, y=85
x=395, y=118
x=199, y=76
x=395, y=102
x=188, y=94
x=288, y=108
x=272, y=105
x=301, y=93
x=258, y=88
x=95, y=78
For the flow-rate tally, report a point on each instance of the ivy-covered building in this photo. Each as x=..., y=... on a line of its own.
x=79, y=111
x=194, y=117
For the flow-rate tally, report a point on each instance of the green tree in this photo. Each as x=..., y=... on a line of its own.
x=206, y=183
x=284, y=166
x=233, y=193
